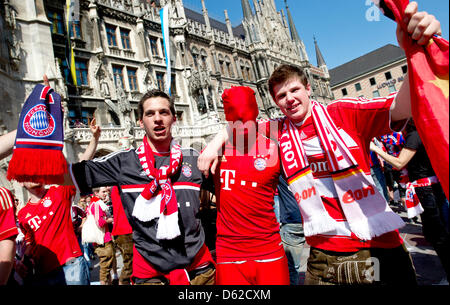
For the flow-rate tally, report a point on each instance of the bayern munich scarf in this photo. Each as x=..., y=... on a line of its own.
x=158, y=199
x=413, y=206
x=365, y=209
x=37, y=154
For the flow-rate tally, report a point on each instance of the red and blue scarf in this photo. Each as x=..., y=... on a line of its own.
x=37, y=155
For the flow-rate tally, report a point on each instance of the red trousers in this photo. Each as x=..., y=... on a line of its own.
x=253, y=273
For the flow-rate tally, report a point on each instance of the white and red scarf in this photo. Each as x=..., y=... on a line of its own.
x=164, y=205
x=365, y=209
x=413, y=206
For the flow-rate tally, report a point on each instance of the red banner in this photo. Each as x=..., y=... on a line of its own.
x=428, y=77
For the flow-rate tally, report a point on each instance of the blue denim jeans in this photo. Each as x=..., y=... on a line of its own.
x=380, y=181
x=77, y=272
x=293, y=242
x=276, y=207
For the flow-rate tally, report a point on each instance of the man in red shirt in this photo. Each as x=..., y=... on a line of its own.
x=105, y=251
x=8, y=229
x=348, y=224
x=123, y=237
x=46, y=222
x=248, y=246
x=8, y=233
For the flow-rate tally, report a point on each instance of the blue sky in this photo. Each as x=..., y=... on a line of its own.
x=342, y=30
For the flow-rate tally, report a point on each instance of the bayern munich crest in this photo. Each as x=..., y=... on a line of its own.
x=47, y=203
x=187, y=171
x=167, y=192
x=38, y=122
x=260, y=164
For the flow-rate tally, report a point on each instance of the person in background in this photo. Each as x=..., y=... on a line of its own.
x=51, y=243
x=426, y=186
x=8, y=234
x=123, y=237
x=291, y=230
x=395, y=179
x=377, y=171
x=105, y=251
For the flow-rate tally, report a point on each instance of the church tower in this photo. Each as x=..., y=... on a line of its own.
x=320, y=61
x=295, y=37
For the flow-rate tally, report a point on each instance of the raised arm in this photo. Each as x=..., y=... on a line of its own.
x=406, y=154
x=421, y=26
x=209, y=159
x=89, y=152
x=92, y=147
x=7, y=144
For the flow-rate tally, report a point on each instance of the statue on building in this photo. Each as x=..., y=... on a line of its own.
x=12, y=40
x=124, y=108
x=104, y=88
x=149, y=80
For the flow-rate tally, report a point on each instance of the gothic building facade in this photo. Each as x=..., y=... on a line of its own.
x=119, y=55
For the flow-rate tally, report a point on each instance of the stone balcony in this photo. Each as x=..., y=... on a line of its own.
x=185, y=134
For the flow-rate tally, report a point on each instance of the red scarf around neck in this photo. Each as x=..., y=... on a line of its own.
x=164, y=205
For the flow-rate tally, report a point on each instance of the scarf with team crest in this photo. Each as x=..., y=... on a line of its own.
x=413, y=206
x=37, y=154
x=158, y=199
x=365, y=209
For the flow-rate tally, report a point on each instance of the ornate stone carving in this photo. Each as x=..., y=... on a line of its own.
x=123, y=105
x=124, y=109
x=12, y=40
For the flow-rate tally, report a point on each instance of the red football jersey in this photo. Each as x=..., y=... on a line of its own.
x=49, y=230
x=358, y=121
x=121, y=225
x=245, y=185
x=8, y=226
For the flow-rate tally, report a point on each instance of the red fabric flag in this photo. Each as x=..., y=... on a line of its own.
x=428, y=77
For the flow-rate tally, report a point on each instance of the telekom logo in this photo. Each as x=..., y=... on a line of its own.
x=228, y=178
x=35, y=222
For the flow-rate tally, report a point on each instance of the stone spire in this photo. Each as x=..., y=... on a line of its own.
x=246, y=9
x=256, y=6
x=294, y=34
x=229, y=27
x=205, y=16
x=319, y=56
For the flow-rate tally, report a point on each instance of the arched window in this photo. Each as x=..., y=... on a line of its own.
x=248, y=72
x=204, y=59
x=195, y=57
x=229, y=67
x=242, y=65
x=221, y=64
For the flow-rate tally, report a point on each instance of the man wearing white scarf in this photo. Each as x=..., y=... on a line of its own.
x=352, y=232
x=159, y=186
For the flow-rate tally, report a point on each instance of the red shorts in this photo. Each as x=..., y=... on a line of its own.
x=144, y=270
x=253, y=273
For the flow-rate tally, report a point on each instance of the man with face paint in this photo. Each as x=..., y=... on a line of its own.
x=248, y=247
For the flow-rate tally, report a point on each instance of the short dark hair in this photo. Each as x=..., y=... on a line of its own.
x=283, y=73
x=152, y=94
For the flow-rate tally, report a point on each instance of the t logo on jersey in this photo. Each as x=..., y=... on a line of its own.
x=227, y=178
x=35, y=223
